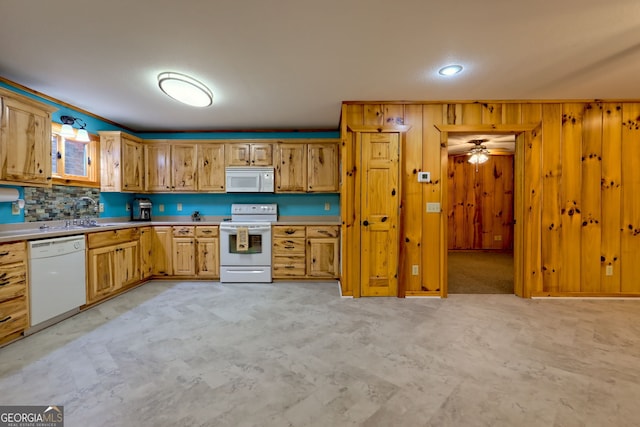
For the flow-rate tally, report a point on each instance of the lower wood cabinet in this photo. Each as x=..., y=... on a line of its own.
x=196, y=251
x=161, y=255
x=305, y=251
x=113, y=262
x=146, y=246
x=14, y=305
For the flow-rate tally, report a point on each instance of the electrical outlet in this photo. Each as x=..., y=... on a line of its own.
x=414, y=270
x=127, y=206
x=608, y=271
x=327, y=206
x=161, y=208
x=179, y=207
x=101, y=207
x=15, y=209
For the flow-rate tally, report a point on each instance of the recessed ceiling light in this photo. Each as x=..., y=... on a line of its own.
x=185, y=89
x=450, y=70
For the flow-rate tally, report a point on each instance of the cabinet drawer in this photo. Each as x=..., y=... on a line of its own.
x=183, y=231
x=289, y=231
x=323, y=231
x=13, y=316
x=206, y=231
x=13, y=252
x=13, y=281
x=286, y=246
x=288, y=266
x=114, y=237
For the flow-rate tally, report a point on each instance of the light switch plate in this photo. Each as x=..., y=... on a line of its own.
x=101, y=207
x=161, y=208
x=179, y=207
x=433, y=207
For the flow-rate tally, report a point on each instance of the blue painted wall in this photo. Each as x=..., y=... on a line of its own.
x=206, y=204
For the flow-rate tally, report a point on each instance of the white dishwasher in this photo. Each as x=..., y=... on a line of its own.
x=57, y=279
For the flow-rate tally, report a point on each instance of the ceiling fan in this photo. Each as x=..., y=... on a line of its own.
x=479, y=153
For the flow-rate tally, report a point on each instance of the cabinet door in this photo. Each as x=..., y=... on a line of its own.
x=102, y=273
x=146, y=245
x=25, y=142
x=207, y=257
x=238, y=154
x=132, y=165
x=110, y=170
x=161, y=258
x=291, y=168
x=322, y=257
x=184, y=256
x=261, y=154
x=128, y=264
x=183, y=162
x=211, y=175
x=323, y=168
x=157, y=160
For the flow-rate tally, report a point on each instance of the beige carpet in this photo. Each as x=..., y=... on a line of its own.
x=480, y=272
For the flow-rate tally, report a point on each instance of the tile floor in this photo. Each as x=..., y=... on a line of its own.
x=295, y=354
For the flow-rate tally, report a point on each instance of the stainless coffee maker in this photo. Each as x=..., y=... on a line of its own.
x=141, y=209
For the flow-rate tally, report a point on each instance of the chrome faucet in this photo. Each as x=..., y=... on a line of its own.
x=88, y=199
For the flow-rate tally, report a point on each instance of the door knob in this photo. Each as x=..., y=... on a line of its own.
x=365, y=222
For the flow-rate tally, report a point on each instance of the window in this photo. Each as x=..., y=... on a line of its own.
x=73, y=162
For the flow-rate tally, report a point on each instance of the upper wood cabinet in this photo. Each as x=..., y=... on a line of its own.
x=249, y=154
x=322, y=166
x=183, y=167
x=121, y=162
x=170, y=166
x=210, y=172
x=291, y=168
x=311, y=167
x=157, y=165
x=25, y=139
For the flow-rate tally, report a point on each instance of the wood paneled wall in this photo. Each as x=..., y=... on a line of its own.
x=580, y=186
x=480, y=203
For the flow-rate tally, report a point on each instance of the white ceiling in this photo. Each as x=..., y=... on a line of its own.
x=290, y=63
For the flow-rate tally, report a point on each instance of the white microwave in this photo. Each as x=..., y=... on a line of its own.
x=249, y=179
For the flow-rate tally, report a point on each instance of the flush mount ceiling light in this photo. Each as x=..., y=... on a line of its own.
x=68, y=132
x=450, y=70
x=185, y=89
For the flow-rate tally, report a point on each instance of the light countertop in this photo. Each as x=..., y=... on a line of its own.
x=51, y=229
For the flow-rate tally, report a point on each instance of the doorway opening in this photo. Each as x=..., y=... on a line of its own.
x=481, y=213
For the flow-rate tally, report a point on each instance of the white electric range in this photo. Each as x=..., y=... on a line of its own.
x=248, y=261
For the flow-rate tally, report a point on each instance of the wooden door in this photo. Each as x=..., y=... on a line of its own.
x=102, y=273
x=261, y=154
x=132, y=166
x=161, y=251
x=380, y=198
x=183, y=161
x=238, y=154
x=291, y=168
x=184, y=256
x=128, y=264
x=211, y=174
x=110, y=167
x=157, y=160
x=323, y=168
x=26, y=142
x=146, y=243
x=322, y=257
x=207, y=257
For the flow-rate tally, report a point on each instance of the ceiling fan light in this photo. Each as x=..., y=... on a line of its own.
x=185, y=89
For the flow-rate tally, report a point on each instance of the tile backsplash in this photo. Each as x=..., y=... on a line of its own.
x=59, y=202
